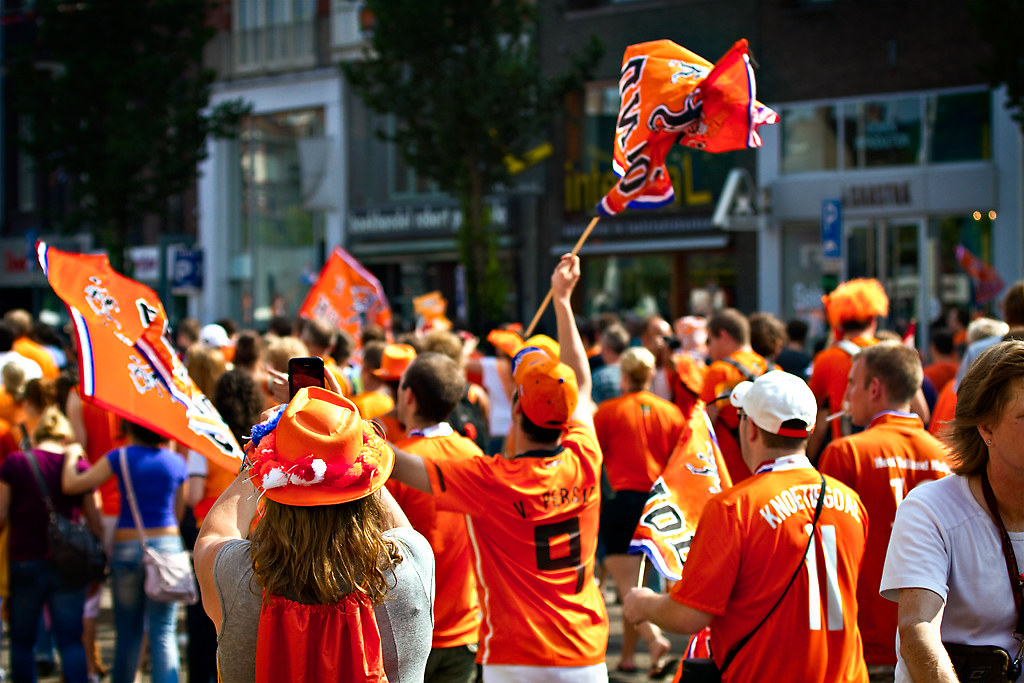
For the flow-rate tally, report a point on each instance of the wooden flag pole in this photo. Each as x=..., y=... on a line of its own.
x=547, y=299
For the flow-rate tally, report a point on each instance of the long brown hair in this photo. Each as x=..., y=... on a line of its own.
x=981, y=399
x=317, y=555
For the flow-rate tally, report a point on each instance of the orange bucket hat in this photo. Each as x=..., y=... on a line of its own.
x=393, y=362
x=547, y=388
x=318, y=451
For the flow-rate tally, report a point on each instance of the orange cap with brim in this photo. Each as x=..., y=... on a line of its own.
x=318, y=451
x=547, y=388
x=394, y=360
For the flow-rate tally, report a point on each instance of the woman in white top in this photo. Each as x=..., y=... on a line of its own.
x=946, y=563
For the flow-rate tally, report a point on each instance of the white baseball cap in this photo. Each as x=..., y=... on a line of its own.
x=214, y=336
x=775, y=398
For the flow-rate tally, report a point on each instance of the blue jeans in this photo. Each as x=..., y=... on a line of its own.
x=132, y=608
x=34, y=583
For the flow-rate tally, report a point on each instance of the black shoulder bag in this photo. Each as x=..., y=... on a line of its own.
x=990, y=663
x=704, y=670
x=77, y=553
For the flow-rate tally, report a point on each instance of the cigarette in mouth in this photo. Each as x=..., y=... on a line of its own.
x=834, y=416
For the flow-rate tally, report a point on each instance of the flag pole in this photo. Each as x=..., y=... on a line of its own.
x=547, y=299
x=643, y=568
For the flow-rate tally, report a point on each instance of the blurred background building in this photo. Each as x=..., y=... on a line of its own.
x=888, y=131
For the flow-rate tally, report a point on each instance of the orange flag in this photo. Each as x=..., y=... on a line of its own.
x=669, y=95
x=695, y=472
x=125, y=360
x=987, y=282
x=347, y=296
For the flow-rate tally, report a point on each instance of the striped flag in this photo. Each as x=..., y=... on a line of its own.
x=695, y=472
x=125, y=359
x=669, y=95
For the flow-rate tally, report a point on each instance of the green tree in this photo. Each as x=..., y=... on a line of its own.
x=115, y=98
x=464, y=84
x=999, y=24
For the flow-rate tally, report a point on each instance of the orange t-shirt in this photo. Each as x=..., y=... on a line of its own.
x=637, y=432
x=372, y=404
x=722, y=376
x=217, y=480
x=10, y=410
x=456, y=607
x=882, y=464
x=944, y=411
x=339, y=374
x=103, y=434
x=829, y=375
x=748, y=543
x=8, y=442
x=533, y=526
x=393, y=429
x=40, y=355
x=940, y=373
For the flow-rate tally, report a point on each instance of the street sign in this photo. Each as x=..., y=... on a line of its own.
x=187, y=270
x=832, y=228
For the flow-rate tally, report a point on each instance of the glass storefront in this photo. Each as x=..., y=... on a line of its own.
x=279, y=241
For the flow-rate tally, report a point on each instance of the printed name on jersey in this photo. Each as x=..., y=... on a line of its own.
x=905, y=464
x=556, y=498
x=805, y=497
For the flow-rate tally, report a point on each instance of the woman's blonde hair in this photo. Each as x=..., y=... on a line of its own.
x=637, y=365
x=981, y=399
x=53, y=425
x=317, y=555
x=205, y=365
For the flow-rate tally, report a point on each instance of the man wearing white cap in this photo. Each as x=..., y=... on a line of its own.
x=774, y=560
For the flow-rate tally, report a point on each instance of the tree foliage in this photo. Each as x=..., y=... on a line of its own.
x=115, y=96
x=465, y=87
x=999, y=24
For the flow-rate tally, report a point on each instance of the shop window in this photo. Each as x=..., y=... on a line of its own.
x=629, y=285
x=271, y=34
x=960, y=126
x=975, y=234
x=279, y=238
x=882, y=133
x=808, y=139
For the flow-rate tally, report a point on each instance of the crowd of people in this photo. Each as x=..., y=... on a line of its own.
x=446, y=508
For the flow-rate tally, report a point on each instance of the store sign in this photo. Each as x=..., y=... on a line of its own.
x=832, y=228
x=878, y=194
x=416, y=221
x=145, y=263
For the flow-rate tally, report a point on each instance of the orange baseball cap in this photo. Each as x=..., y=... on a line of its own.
x=393, y=362
x=546, y=387
x=318, y=451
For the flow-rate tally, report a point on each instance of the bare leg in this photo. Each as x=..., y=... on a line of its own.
x=625, y=570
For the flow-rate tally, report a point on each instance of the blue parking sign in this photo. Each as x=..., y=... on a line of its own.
x=832, y=228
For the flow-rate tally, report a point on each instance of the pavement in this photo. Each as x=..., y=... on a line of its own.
x=105, y=635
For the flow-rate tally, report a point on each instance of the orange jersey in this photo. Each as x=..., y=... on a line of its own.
x=8, y=442
x=533, y=526
x=339, y=374
x=721, y=377
x=217, y=480
x=941, y=373
x=748, y=543
x=372, y=404
x=456, y=607
x=882, y=463
x=39, y=354
x=11, y=411
x=103, y=434
x=393, y=429
x=829, y=375
x=945, y=410
x=637, y=433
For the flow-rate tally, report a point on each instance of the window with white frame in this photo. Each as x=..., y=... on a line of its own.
x=274, y=34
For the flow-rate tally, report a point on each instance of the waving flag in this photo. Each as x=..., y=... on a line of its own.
x=430, y=309
x=694, y=473
x=126, y=362
x=668, y=95
x=347, y=296
x=987, y=283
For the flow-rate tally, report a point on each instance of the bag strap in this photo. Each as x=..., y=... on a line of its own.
x=744, y=370
x=31, y=457
x=1016, y=581
x=127, y=478
x=743, y=641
